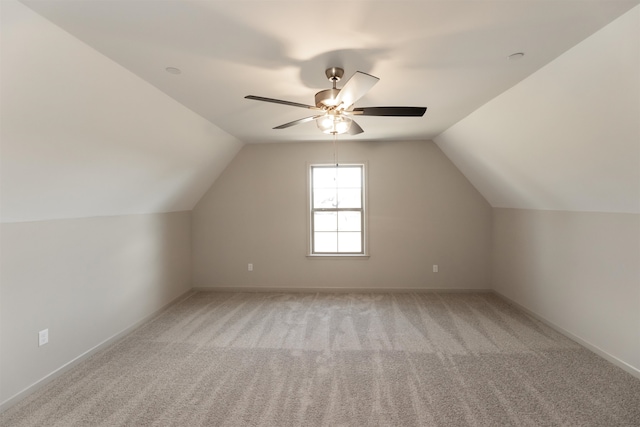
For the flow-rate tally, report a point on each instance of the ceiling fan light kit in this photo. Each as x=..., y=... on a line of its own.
x=335, y=106
x=334, y=124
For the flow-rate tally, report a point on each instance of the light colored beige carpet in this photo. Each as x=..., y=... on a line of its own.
x=278, y=359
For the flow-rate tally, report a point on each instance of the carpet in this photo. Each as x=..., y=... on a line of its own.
x=296, y=359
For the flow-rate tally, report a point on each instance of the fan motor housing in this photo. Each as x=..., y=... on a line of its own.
x=326, y=98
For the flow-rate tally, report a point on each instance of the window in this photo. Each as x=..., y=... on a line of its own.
x=337, y=216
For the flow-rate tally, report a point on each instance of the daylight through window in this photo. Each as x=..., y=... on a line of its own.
x=337, y=209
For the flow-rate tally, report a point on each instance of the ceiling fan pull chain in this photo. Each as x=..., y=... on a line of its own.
x=335, y=149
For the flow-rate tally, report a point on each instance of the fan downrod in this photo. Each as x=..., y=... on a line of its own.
x=326, y=99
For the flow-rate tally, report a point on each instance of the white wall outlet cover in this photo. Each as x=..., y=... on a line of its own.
x=435, y=268
x=43, y=337
x=250, y=267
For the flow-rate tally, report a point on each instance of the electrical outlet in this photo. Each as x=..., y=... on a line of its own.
x=250, y=267
x=43, y=337
x=435, y=268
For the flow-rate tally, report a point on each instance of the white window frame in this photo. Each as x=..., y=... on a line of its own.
x=310, y=211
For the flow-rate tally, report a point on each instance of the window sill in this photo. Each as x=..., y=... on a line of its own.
x=363, y=257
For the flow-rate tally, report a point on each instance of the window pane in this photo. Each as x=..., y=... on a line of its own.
x=349, y=242
x=349, y=177
x=325, y=242
x=349, y=221
x=349, y=198
x=326, y=221
x=324, y=199
x=324, y=177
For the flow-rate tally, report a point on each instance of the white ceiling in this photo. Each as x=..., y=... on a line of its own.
x=450, y=56
x=85, y=132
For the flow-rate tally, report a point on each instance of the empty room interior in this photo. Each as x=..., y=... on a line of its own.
x=449, y=235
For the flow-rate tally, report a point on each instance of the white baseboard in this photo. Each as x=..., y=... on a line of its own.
x=67, y=366
x=597, y=350
x=333, y=289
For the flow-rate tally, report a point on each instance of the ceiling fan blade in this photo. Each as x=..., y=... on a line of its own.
x=390, y=111
x=299, y=121
x=280, y=101
x=355, y=88
x=355, y=128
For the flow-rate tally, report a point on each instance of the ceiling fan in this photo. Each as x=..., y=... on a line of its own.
x=335, y=107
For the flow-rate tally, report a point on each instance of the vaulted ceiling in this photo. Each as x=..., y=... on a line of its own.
x=93, y=124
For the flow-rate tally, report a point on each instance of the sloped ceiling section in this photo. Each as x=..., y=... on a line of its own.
x=565, y=138
x=82, y=136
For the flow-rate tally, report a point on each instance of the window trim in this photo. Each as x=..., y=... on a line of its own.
x=365, y=219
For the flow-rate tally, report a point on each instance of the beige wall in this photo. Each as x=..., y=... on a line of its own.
x=85, y=280
x=578, y=270
x=422, y=211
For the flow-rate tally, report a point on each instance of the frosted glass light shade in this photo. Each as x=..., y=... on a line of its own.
x=333, y=124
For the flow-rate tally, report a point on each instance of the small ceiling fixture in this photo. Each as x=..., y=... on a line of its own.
x=515, y=56
x=335, y=106
x=173, y=70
